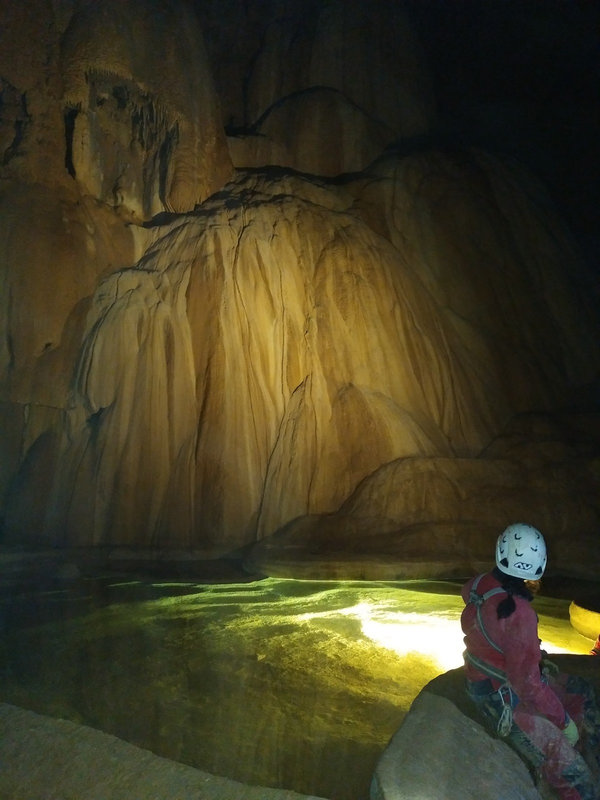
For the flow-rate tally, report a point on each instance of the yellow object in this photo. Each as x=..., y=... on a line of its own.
x=585, y=621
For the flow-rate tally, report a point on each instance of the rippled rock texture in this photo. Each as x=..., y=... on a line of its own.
x=245, y=299
x=77, y=761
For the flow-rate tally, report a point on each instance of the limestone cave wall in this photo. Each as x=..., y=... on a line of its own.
x=254, y=288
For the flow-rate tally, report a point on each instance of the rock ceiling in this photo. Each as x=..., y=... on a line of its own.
x=248, y=293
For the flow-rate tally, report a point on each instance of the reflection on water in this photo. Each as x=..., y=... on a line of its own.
x=298, y=684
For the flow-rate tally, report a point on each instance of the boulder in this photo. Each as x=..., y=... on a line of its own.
x=443, y=750
x=440, y=754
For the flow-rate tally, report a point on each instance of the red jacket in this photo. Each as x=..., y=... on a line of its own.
x=517, y=636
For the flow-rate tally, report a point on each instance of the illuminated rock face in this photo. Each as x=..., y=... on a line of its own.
x=280, y=351
x=440, y=516
x=283, y=346
x=116, y=98
x=141, y=116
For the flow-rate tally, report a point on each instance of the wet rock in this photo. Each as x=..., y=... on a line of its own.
x=440, y=754
x=445, y=751
x=42, y=756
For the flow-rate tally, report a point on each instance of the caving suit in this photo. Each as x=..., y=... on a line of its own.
x=502, y=665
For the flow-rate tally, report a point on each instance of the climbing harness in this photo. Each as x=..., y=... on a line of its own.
x=504, y=691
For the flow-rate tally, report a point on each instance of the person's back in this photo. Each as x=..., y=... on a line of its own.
x=503, y=667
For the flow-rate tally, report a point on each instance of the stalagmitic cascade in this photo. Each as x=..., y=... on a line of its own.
x=195, y=357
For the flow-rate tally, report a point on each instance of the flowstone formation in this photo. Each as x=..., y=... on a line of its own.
x=245, y=300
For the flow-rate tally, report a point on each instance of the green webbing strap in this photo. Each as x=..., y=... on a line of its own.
x=504, y=725
x=485, y=668
x=478, y=600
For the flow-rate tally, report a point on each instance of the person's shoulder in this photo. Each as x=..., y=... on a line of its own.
x=487, y=582
x=484, y=582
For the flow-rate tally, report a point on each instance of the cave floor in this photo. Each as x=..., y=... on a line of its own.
x=274, y=682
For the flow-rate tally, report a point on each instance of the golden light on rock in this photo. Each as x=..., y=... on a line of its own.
x=585, y=620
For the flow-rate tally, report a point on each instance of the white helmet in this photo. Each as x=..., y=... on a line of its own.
x=521, y=552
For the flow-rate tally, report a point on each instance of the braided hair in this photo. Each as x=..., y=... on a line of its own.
x=512, y=586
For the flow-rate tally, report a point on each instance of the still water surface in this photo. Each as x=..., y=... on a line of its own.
x=297, y=684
